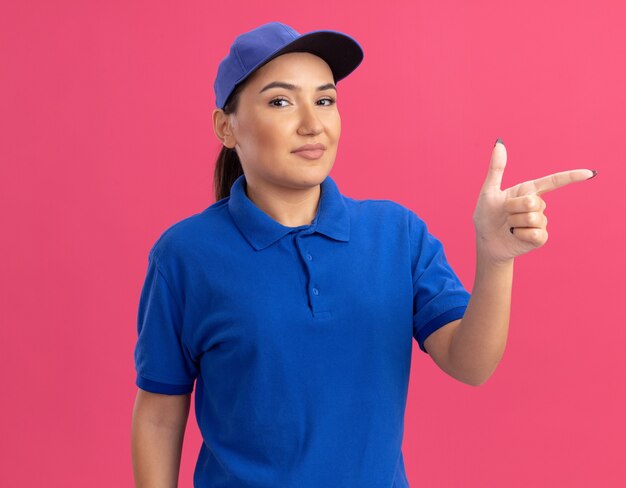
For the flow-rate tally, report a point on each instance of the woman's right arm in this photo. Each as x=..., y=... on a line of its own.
x=158, y=429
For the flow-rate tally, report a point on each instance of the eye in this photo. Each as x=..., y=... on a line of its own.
x=278, y=100
x=330, y=101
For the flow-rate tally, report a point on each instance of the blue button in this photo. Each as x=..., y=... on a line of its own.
x=315, y=292
x=309, y=257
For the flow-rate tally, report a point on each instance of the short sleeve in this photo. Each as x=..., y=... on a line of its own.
x=162, y=362
x=439, y=297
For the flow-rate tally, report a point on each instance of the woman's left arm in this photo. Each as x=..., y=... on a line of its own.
x=508, y=223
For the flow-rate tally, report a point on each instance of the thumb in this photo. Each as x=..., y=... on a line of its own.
x=496, y=167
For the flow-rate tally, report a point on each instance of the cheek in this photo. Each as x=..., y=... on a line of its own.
x=270, y=133
x=262, y=138
x=335, y=127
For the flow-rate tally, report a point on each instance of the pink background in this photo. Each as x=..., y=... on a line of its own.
x=106, y=139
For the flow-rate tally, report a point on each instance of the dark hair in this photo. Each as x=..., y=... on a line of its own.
x=228, y=167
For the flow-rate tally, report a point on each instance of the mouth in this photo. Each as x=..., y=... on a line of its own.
x=310, y=151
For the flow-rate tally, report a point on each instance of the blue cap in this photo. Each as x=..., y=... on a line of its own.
x=254, y=48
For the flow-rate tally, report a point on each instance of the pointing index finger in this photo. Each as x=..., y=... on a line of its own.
x=563, y=178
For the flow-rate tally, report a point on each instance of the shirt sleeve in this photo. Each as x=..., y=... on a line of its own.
x=439, y=297
x=162, y=361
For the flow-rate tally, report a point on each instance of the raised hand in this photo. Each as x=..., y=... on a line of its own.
x=511, y=222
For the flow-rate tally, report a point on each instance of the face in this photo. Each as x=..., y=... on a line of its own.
x=272, y=122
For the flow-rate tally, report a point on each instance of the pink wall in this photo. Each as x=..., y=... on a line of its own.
x=106, y=139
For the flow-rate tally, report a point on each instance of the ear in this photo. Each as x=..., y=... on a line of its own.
x=222, y=128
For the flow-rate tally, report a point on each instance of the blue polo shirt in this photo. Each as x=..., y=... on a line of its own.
x=298, y=339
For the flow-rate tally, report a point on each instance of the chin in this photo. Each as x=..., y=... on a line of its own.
x=310, y=177
x=317, y=172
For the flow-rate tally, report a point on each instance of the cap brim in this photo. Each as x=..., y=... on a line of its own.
x=342, y=53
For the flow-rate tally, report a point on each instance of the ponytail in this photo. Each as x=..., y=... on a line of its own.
x=228, y=166
x=227, y=170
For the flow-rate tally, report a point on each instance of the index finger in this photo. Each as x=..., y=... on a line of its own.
x=563, y=178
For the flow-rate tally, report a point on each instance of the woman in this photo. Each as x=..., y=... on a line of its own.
x=293, y=307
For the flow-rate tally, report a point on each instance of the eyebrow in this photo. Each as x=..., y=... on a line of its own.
x=290, y=86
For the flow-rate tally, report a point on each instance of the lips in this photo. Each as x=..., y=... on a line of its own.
x=310, y=151
x=311, y=147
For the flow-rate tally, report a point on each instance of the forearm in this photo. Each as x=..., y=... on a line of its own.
x=479, y=340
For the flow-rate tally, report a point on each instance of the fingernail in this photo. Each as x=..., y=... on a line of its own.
x=498, y=140
x=594, y=174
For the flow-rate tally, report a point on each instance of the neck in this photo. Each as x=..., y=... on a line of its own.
x=290, y=207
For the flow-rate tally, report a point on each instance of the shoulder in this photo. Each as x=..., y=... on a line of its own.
x=376, y=207
x=180, y=237
x=385, y=213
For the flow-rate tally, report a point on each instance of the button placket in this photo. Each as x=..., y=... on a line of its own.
x=312, y=287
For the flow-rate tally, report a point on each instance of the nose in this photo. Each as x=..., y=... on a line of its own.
x=309, y=121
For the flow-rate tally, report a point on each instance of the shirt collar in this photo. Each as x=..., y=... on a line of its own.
x=261, y=230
